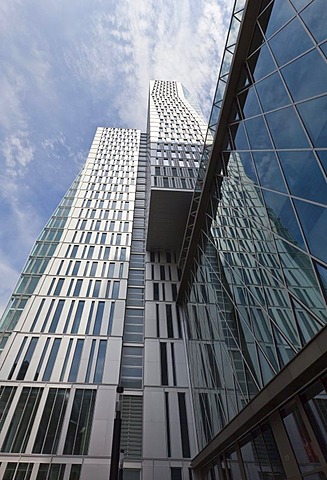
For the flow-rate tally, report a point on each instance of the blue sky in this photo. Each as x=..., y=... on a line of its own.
x=68, y=66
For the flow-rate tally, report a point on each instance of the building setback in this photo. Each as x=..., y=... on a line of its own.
x=189, y=266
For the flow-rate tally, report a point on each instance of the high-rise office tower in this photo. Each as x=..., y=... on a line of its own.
x=198, y=283
x=95, y=309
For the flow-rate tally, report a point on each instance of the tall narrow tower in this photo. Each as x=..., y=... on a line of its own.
x=94, y=309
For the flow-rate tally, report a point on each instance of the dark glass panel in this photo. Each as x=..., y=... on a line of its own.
x=183, y=425
x=261, y=63
x=78, y=316
x=89, y=365
x=99, y=366
x=232, y=465
x=315, y=17
x=290, y=42
x=304, y=176
x=306, y=76
x=56, y=316
x=322, y=271
x=75, y=472
x=258, y=134
x=175, y=473
x=17, y=358
x=286, y=129
x=314, y=223
x=250, y=459
x=51, y=360
x=269, y=171
x=27, y=359
x=6, y=398
x=249, y=104
x=22, y=421
x=275, y=16
x=98, y=319
x=282, y=217
x=272, y=93
x=76, y=361
x=315, y=403
x=300, y=440
x=314, y=116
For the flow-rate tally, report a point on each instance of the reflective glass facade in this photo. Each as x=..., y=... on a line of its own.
x=255, y=295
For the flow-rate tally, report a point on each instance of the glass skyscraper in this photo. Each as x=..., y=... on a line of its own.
x=188, y=265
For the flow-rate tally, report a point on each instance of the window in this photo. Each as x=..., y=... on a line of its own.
x=49, y=431
x=99, y=366
x=17, y=358
x=98, y=319
x=53, y=471
x=132, y=367
x=78, y=287
x=56, y=316
x=80, y=423
x=6, y=398
x=76, y=361
x=175, y=473
x=78, y=316
x=51, y=360
x=18, y=471
x=21, y=424
x=27, y=359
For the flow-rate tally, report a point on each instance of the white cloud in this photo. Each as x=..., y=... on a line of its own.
x=18, y=152
x=139, y=41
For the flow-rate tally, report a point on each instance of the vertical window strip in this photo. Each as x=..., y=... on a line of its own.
x=53, y=471
x=89, y=365
x=98, y=319
x=37, y=315
x=111, y=317
x=167, y=424
x=27, y=359
x=49, y=431
x=21, y=423
x=47, y=315
x=58, y=287
x=99, y=366
x=17, y=358
x=89, y=320
x=172, y=346
x=56, y=316
x=157, y=320
x=163, y=363
x=179, y=326
x=69, y=316
x=169, y=318
x=78, y=316
x=183, y=425
x=75, y=472
x=21, y=471
x=36, y=376
x=6, y=398
x=51, y=360
x=80, y=423
x=63, y=370
x=76, y=361
x=78, y=286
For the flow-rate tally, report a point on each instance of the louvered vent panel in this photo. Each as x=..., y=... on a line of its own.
x=131, y=432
